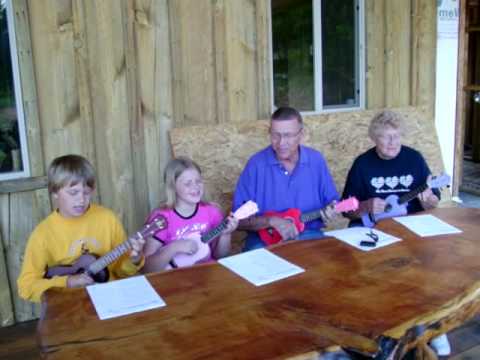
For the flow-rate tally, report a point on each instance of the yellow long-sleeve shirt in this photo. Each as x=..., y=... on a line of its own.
x=60, y=241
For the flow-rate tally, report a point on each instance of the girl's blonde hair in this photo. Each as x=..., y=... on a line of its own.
x=173, y=170
x=384, y=119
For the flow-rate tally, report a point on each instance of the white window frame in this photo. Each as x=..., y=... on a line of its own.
x=317, y=41
x=18, y=100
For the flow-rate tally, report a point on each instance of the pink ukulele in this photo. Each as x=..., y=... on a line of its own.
x=184, y=260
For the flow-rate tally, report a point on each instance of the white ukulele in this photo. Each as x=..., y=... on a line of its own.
x=184, y=260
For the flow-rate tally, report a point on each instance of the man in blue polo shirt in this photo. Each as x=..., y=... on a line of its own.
x=285, y=175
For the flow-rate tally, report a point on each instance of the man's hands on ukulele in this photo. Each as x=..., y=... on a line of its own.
x=329, y=213
x=373, y=206
x=79, y=280
x=285, y=227
x=136, y=253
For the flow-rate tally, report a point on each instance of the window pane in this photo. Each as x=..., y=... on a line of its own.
x=293, y=74
x=338, y=53
x=10, y=153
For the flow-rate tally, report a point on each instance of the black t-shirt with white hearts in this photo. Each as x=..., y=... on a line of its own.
x=371, y=176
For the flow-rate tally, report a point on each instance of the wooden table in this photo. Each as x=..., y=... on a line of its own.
x=409, y=291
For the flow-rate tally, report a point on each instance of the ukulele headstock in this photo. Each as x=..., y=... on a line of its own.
x=350, y=204
x=248, y=209
x=439, y=181
x=158, y=223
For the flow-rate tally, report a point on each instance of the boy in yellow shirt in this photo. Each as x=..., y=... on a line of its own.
x=76, y=226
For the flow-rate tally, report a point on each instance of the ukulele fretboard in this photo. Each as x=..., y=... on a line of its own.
x=412, y=194
x=212, y=234
x=309, y=216
x=109, y=257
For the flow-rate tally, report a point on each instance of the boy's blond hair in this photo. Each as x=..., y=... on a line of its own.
x=70, y=170
x=173, y=170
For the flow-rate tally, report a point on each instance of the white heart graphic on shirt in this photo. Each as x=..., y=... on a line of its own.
x=377, y=182
x=406, y=180
x=391, y=182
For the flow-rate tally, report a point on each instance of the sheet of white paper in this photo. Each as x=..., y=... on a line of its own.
x=123, y=297
x=260, y=266
x=354, y=235
x=427, y=225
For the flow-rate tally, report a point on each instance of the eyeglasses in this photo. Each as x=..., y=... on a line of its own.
x=390, y=137
x=287, y=136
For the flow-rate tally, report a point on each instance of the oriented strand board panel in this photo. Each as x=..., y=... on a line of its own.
x=223, y=150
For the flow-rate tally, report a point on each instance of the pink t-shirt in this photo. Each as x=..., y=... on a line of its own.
x=204, y=219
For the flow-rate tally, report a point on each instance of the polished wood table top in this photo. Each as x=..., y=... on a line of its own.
x=345, y=297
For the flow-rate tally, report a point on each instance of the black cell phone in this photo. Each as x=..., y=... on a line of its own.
x=368, y=243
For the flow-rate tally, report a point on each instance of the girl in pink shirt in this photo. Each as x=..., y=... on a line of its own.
x=188, y=218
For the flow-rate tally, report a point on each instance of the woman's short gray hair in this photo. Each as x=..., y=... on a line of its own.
x=383, y=119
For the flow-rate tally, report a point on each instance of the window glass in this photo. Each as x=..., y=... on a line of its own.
x=11, y=136
x=293, y=68
x=315, y=50
x=338, y=50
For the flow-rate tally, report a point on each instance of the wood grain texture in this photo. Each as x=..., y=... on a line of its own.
x=264, y=60
x=107, y=57
x=193, y=65
x=345, y=297
x=136, y=114
x=28, y=85
x=20, y=185
x=26, y=210
x=375, y=53
x=462, y=97
x=397, y=53
x=154, y=92
x=6, y=307
x=423, y=43
x=241, y=57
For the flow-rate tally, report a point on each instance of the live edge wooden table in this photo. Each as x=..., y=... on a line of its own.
x=380, y=303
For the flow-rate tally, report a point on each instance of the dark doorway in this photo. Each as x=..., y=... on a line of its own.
x=468, y=137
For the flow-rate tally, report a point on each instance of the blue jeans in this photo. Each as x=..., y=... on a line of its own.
x=253, y=241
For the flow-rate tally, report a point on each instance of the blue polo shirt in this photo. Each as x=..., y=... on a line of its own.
x=264, y=180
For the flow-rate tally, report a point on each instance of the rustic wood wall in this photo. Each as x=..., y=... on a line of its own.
x=108, y=78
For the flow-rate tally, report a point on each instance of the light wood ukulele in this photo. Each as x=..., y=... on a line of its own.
x=96, y=267
x=184, y=260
